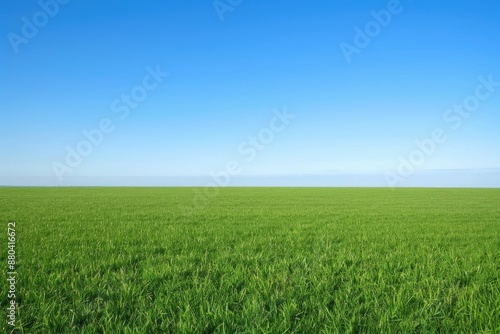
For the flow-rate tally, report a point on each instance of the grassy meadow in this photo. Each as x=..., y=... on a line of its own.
x=254, y=260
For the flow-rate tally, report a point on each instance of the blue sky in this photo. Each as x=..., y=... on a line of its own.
x=354, y=121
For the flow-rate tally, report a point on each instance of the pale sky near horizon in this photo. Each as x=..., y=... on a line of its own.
x=361, y=82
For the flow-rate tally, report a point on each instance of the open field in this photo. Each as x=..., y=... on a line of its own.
x=277, y=260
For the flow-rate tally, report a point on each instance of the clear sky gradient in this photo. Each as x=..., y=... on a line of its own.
x=65, y=68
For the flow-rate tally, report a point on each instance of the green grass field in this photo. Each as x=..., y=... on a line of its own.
x=254, y=260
